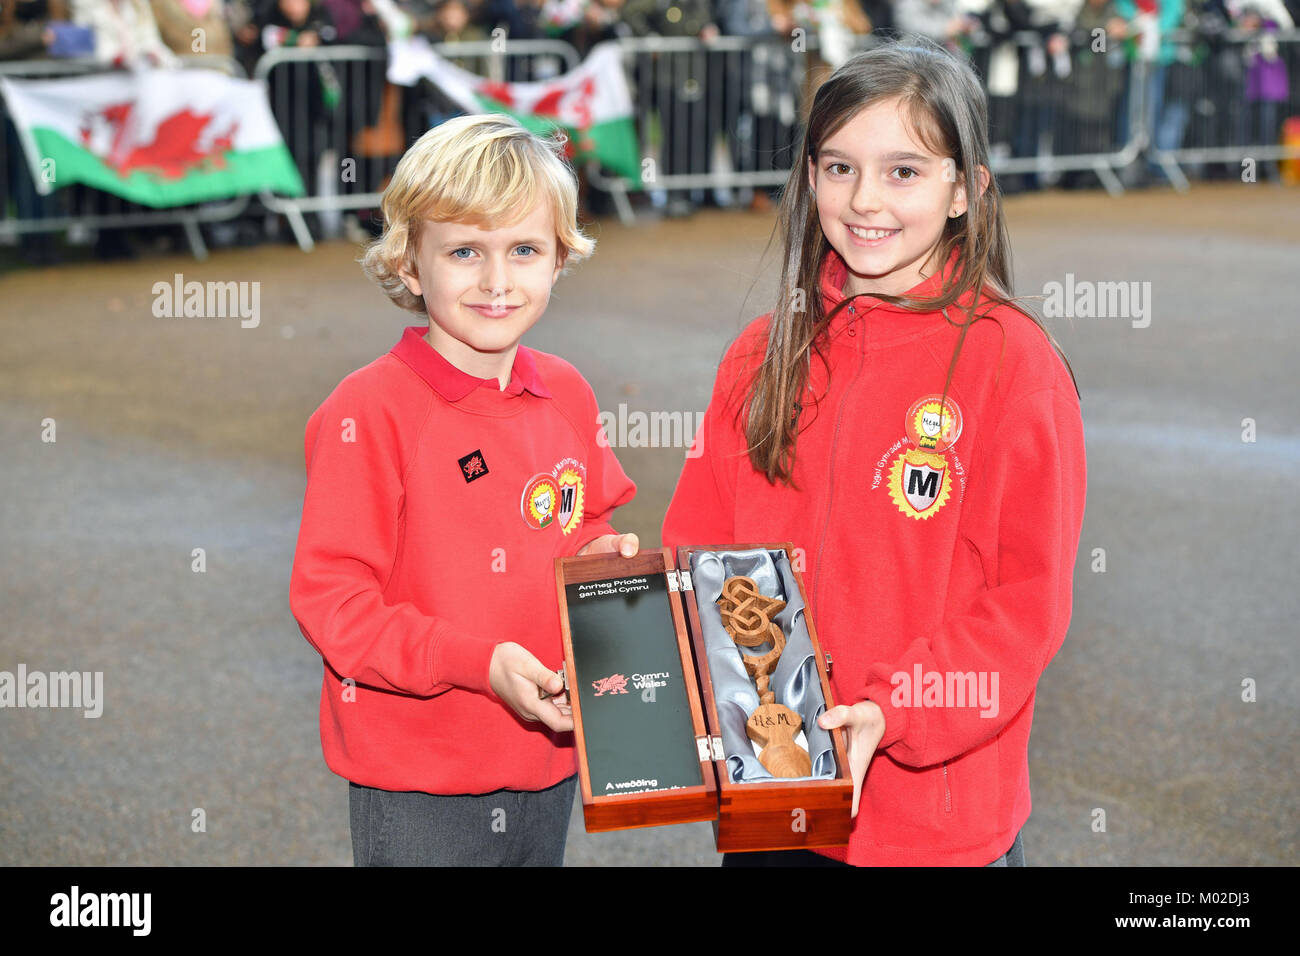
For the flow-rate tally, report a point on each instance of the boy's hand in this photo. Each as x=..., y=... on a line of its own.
x=625, y=544
x=865, y=723
x=515, y=676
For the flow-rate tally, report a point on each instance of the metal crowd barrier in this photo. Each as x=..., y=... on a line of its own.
x=735, y=103
x=83, y=207
x=724, y=115
x=1067, y=114
x=1217, y=107
x=1087, y=111
x=346, y=127
x=720, y=115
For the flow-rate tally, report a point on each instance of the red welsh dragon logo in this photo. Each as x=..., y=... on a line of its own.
x=614, y=684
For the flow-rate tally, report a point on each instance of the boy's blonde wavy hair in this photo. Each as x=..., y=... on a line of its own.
x=486, y=170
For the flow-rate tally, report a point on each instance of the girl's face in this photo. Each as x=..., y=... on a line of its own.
x=883, y=199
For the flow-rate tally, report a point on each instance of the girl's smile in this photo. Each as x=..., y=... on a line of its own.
x=872, y=237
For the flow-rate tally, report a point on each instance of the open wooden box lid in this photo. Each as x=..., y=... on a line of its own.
x=644, y=754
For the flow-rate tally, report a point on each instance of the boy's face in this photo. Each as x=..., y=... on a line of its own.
x=484, y=288
x=883, y=198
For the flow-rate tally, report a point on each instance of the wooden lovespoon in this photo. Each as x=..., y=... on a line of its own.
x=746, y=611
x=746, y=615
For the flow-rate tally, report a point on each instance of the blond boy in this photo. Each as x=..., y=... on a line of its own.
x=443, y=479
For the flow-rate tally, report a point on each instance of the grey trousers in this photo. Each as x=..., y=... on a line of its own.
x=502, y=828
x=1014, y=856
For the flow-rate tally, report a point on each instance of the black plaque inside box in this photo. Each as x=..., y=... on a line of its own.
x=631, y=689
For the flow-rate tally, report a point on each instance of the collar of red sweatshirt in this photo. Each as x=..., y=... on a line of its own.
x=453, y=384
x=835, y=272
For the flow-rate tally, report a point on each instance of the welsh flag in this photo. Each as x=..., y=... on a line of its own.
x=591, y=102
x=157, y=137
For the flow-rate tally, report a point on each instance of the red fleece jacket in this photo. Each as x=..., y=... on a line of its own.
x=436, y=504
x=950, y=560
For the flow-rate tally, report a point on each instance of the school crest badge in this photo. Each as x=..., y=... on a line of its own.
x=570, y=476
x=556, y=497
x=540, y=499
x=920, y=476
x=919, y=483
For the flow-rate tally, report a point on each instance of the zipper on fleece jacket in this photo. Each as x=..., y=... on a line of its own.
x=947, y=793
x=830, y=470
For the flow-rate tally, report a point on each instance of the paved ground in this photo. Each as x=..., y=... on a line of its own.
x=176, y=434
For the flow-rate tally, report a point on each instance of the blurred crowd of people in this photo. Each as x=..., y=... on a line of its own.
x=156, y=32
x=1052, y=87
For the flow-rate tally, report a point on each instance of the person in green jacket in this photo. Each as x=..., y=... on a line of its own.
x=1149, y=42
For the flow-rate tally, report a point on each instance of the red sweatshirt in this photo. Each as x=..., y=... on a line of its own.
x=435, y=505
x=937, y=547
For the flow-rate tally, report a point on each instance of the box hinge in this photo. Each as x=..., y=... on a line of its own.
x=674, y=582
x=686, y=581
x=709, y=748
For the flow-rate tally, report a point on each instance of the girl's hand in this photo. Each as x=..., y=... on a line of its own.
x=516, y=677
x=625, y=544
x=865, y=725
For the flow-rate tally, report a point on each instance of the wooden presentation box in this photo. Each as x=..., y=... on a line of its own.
x=649, y=738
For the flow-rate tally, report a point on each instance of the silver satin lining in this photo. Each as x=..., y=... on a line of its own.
x=795, y=682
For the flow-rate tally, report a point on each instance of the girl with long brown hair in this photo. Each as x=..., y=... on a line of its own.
x=916, y=433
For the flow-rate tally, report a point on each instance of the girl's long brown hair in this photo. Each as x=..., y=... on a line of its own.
x=945, y=103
